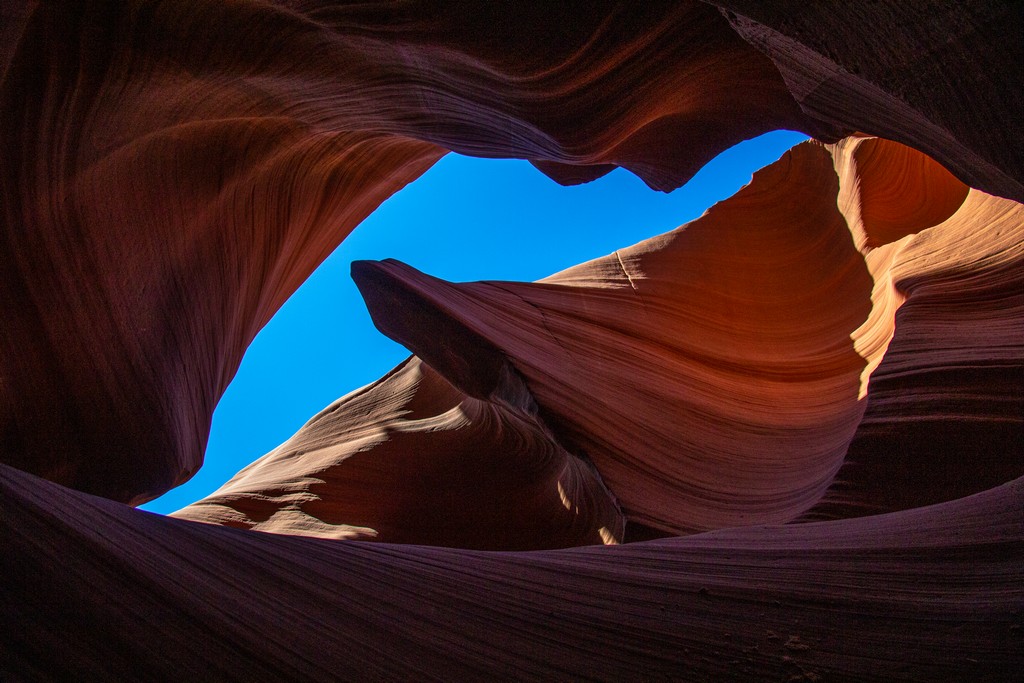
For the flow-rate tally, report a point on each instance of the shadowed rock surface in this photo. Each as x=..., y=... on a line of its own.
x=841, y=340
x=925, y=594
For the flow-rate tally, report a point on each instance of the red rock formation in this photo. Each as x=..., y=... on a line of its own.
x=716, y=375
x=268, y=156
x=172, y=171
x=238, y=159
x=945, y=409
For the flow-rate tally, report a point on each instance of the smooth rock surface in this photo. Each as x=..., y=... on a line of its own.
x=104, y=591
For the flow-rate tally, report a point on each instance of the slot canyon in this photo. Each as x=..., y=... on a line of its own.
x=783, y=441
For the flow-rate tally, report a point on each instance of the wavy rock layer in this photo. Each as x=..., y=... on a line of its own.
x=937, y=76
x=716, y=375
x=945, y=410
x=925, y=594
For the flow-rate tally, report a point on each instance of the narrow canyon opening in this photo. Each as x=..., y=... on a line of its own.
x=711, y=376
x=465, y=219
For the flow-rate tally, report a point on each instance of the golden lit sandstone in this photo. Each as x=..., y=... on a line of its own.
x=716, y=375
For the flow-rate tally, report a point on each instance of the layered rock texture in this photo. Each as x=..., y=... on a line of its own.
x=816, y=389
x=411, y=459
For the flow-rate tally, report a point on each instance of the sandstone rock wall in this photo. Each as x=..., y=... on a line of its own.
x=839, y=341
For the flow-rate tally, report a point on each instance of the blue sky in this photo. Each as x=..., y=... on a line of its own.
x=464, y=219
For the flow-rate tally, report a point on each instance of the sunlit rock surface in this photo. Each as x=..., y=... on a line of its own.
x=717, y=374
x=171, y=172
x=411, y=459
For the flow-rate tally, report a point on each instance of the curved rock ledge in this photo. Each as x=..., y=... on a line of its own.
x=924, y=594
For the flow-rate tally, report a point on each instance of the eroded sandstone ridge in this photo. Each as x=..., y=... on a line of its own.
x=715, y=376
x=412, y=459
x=841, y=341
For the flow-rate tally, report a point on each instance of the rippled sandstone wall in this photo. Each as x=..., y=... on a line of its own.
x=172, y=171
x=243, y=141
